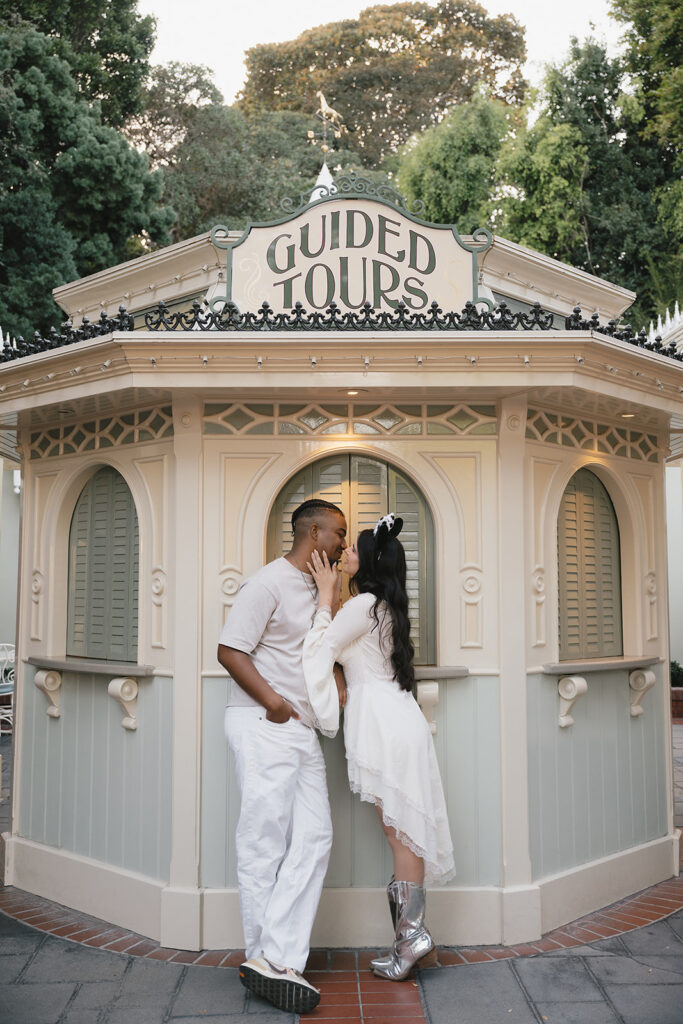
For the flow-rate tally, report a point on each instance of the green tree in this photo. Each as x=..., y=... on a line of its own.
x=392, y=72
x=75, y=197
x=581, y=183
x=106, y=42
x=230, y=168
x=452, y=167
x=171, y=98
x=654, y=55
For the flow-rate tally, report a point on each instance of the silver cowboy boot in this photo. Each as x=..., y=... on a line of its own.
x=381, y=962
x=413, y=941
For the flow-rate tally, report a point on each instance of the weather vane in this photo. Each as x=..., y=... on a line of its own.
x=332, y=125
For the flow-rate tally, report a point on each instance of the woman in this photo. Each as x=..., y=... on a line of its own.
x=389, y=748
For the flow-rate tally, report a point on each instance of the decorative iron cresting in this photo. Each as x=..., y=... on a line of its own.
x=230, y=318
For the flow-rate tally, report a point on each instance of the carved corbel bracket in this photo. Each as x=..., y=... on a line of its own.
x=570, y=688
x=49, y=682
x=428, y=698
x=125, y=691
x=640, y=681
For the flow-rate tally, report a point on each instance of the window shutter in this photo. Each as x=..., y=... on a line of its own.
x=589, y=571
x=368, y=494
x=418, y=541
x=102, y=614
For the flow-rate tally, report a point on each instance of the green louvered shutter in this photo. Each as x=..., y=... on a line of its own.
x=589, y=566
x=102, y=614
x=365, y=489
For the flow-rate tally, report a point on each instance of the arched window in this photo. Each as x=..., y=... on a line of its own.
x=366, y=489
x=102, y=613
x=589, y=567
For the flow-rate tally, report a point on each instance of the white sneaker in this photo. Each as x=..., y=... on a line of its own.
x=282, y=986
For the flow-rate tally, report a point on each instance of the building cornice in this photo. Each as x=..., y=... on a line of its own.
x=419, y=363
x=526, y=275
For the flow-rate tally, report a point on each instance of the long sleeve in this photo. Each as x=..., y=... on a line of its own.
x=323, y=646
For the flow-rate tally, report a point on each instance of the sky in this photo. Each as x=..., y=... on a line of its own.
x=217, y=32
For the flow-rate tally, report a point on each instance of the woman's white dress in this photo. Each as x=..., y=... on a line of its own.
x=389, y=748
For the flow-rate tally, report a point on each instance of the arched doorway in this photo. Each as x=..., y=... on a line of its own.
x=366, y=488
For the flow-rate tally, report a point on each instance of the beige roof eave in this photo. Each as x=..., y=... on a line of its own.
x=186, y=268
x=524, y=274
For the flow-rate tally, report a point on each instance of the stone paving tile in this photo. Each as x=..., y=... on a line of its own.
x=655, y=938
x=557, y=980
x=137, y=1015
x=67, y=961
x=577, y=1013
x=148, y=982
x=34, y=1004
x=639, y=1004
x=93, y=996
x=205, y=990
x=614, y=970
x=483, y=993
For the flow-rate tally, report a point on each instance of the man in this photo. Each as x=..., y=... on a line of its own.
x=284, y=832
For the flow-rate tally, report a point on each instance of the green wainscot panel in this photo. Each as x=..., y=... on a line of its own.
x=92, y=787
x=467, y=745
x=599, y=786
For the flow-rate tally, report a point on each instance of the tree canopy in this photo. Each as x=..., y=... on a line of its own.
x=654, y=37
x=582, y=183
x=75, y=197
x=171, y=98
x=229, y=168
x=452, y=167
x=106, y=42
x=392, y=72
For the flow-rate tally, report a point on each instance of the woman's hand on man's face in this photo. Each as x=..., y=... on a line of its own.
x=327, y=578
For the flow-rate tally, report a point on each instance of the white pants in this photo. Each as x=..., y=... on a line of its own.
x=284, y=833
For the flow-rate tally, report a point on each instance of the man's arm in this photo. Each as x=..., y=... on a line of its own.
x=242, y=669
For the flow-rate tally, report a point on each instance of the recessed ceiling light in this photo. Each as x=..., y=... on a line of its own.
x=627, y=415
x=351, y=392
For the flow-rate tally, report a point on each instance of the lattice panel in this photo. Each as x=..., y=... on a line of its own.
x=349, y=418
x=103, y=432
x=589, y=435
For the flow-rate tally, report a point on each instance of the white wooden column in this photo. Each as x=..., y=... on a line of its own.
x=521, y=899
x=181, y=900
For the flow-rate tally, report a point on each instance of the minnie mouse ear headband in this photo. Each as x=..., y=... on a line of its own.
x=388, y=526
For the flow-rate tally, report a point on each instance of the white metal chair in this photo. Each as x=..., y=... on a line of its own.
x=6, y=688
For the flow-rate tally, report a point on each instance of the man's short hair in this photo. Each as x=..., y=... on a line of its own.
x=308, y=510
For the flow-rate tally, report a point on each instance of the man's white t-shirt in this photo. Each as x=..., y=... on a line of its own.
x=269, y=621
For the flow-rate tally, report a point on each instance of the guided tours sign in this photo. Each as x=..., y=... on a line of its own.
x=355, y=244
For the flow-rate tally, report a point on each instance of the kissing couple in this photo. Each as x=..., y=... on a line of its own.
x=295, y=657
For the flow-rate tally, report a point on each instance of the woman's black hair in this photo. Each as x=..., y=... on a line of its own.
x=382, y=572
